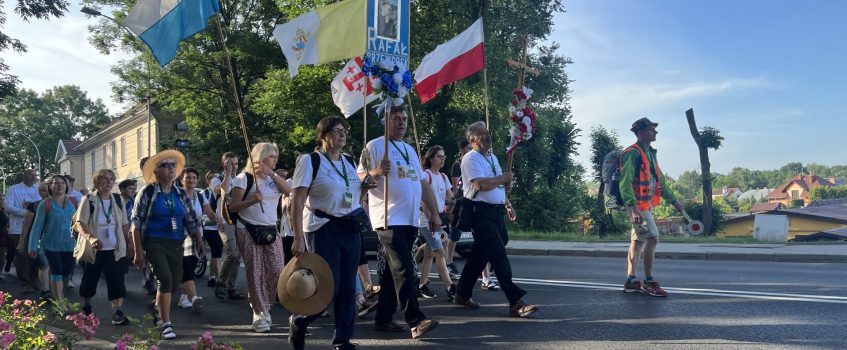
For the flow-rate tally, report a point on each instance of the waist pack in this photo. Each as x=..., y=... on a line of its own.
x=357, y=221
x=261, y=234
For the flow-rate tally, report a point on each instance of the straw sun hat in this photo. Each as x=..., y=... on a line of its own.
x=305, y=286
x=149, y=168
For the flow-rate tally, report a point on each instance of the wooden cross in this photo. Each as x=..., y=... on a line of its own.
x=521, y=66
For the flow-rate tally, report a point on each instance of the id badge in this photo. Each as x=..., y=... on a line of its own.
x=401, y=171
x=413, y=175
x=173, y=224
x=348, y=199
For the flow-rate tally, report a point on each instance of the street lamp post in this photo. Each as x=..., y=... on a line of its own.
x=90, y=11
x=37, y=152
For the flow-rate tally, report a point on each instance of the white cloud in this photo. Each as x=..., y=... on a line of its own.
x=58, y=53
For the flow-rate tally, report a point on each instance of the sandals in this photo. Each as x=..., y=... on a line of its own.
x=168, y=331
x=491, y=285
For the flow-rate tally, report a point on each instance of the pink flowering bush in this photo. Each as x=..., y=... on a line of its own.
x=21, y=326
x=207, y=342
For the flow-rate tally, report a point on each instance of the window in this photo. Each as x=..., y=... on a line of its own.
x=795, y=194
x=140, y=143
x=123, y=150
x=105, y=158
x=93, y=161
x=114, y=155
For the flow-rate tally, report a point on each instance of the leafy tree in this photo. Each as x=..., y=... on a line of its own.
x=602, y=142
x=60, y=113
x=823, y=192
x=688, y=185
x=26, y=9
x=746, y=204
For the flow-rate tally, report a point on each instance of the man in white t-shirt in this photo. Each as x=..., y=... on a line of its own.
x=486, y=185
x=18, y=197
x=225, y=287
x=407, y=187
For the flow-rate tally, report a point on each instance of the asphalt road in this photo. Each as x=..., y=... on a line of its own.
x=712, y=305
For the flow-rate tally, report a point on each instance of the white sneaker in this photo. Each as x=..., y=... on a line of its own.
x=259, y=324
x=197, y=304
x=71, y=283
x=184, y=302
x=266, y=315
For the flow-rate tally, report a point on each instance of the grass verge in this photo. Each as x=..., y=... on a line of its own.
x=578, y=237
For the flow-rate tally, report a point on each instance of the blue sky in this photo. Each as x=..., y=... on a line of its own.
x=768, y=74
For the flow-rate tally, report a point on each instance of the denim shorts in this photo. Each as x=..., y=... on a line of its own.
x=433, y=241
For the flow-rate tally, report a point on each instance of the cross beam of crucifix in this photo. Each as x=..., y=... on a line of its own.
x=521, y=66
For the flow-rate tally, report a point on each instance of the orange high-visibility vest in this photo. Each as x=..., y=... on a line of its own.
x=641, y=185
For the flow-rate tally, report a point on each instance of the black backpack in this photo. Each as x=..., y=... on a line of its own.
x=231, y=217
x=316, y=163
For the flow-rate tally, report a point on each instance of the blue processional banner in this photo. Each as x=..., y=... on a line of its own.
x=388, y=31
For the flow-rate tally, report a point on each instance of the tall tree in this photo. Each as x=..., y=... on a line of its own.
x=706, y=138
x=602, y=142
x=26, y=9
x=60, y=113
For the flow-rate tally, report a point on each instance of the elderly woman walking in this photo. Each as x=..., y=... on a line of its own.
x=51, y=231
x=102, y=221
x=193, y=246
x=160, y=219
x=255, y=195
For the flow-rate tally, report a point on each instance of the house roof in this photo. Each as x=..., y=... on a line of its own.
x=761, y=207
x=67, y=148
x=756, y=195
x=805, y=182
x=827, y=202
x=833, y=213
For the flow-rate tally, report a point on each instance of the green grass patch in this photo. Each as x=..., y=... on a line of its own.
x=619, y=237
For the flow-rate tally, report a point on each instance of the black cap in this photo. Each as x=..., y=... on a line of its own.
x=641, y=124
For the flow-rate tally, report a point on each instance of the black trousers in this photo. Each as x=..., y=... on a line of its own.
x=398, y=281
x=113, y=271
x=287, y=242
x=490, y=238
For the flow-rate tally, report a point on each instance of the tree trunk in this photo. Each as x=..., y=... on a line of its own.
x=601, y=204
x=705, y=172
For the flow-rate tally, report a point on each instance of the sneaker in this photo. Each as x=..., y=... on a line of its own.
x=220, y=291
x=233, y=295
x=424, y=292
x=211, y=283
x=521, y=309
x=468, y=303
x=71, y=283
x=86, y=309
x=45, y=296
x=453, y=269
x=652, y=288
x=184, y=302
x=259, y=325
x=491, y=285
x=632, y=287
x=366, y=307
x=168, y=331
x=119, y=319
x=197, y=304
x=345, y=346
x=451, y=293
x=266, y=315
x=297, y=332
x=423, y=327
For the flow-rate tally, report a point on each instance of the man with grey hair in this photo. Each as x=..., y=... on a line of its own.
x=486, y=185
x=18, y=198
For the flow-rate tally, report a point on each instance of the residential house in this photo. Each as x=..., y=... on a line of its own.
x=837, y=181
x=801, y=221
x=756, y=195
x=765, y=207
x=726, y=193
x=71, y=161
x=795, y=189
x=122, y=144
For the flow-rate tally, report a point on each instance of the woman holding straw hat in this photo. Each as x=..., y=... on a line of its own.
x=255, y=194
x=160, y=219
x=331, y=196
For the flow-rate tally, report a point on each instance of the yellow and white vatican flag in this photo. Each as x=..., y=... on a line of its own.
x=329, y=33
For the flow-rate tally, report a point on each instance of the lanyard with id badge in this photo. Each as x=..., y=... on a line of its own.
x=348, y=196
x=405, y=171
x=493, y=168
x=169, y=202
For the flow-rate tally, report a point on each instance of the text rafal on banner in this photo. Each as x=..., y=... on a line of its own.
x=388, y=31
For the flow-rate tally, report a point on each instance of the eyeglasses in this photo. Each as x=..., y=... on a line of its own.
x=440, y=156
x=167, y=165
x=340, y=131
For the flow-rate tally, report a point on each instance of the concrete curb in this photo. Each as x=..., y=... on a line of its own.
x=714, y=256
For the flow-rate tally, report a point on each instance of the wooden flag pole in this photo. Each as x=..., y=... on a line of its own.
x=237, y=98
x=385, y=176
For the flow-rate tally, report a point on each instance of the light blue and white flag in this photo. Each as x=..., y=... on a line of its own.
x=162, y=24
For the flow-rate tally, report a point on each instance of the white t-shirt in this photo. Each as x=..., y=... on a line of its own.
x=475, y=166
x=440, y=184
x=188, y=243
x=210, y=225
x=404, y=194
x=328, y=189
x=106, y=231
x=284, y=219
x=215, y=183
x=270, y=198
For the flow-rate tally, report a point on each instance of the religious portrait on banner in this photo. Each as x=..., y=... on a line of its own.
x=388, y=19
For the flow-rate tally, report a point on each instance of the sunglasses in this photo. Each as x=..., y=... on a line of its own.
x=167, y=165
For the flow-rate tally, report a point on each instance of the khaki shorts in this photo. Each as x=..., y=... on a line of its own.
x=647, y=228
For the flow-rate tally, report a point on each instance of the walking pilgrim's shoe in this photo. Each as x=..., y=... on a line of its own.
x=632, y=287
x=423, y=327
x=466, y=303
x=521, y=309
x=652, y=288
x=491, y=285
x=392, y=326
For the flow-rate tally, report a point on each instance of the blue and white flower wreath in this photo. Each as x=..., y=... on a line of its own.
x=391, y=79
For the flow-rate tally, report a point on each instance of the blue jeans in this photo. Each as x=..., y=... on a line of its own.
x=341, y=251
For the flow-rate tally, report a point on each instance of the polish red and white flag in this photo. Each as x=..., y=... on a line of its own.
x=451, y=61
x=350, y=87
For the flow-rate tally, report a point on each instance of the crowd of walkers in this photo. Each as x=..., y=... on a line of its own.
x=258, y=215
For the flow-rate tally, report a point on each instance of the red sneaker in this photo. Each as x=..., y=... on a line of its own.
x=633, y=287
x=652, y=288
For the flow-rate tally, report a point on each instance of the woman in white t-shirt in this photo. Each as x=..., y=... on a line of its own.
x=443, y=191
x=256, y=206
x=330, y=198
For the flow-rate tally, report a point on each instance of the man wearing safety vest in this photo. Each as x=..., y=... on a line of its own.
x=641, y=185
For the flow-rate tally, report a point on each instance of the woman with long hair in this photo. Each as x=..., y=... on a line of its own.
x=441, y=188
x=51, y=232
x=191, y=245
x=102, y=221
x=162, y=216
x=255, y=195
